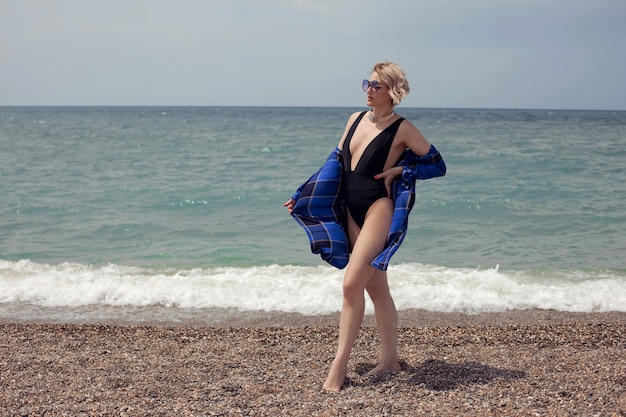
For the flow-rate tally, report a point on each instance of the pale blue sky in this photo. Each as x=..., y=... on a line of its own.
x=457, y=53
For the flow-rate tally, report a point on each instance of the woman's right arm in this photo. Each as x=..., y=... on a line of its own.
x=292, y=202
x=351, y=120
x=289, y=204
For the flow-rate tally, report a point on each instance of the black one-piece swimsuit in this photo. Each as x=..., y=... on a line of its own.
x=362, y=190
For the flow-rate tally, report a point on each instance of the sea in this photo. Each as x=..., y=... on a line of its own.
x=170, y=214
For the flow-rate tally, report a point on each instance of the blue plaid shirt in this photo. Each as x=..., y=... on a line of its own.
x=321, y=209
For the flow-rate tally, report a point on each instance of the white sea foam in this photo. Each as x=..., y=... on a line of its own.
x=307, y=290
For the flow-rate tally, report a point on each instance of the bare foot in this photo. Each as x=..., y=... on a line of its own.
x=335, y=379
x=384, y=367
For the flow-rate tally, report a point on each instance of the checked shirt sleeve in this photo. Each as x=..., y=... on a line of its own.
x=413, y=168
x=319, y=209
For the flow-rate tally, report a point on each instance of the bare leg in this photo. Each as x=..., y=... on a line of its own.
x=370, y=241
x=387, y=321
x=349, y=325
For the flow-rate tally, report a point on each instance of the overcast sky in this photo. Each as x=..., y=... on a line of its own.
x=566, y=54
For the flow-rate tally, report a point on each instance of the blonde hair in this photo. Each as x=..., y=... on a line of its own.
x=392, y=75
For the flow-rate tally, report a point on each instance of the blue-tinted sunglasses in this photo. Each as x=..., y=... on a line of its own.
x=375, y=85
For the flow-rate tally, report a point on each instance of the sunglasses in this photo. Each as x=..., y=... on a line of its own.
x=374, y=85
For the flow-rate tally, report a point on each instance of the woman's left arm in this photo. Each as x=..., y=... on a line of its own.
x=408, y=137
x=422, y=160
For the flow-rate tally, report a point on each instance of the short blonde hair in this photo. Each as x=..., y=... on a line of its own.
x=392, y=75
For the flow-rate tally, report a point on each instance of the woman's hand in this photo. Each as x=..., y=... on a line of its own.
x=389, y=176
x=289, y=204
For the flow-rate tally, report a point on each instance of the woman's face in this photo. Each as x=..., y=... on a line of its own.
x=377, y=98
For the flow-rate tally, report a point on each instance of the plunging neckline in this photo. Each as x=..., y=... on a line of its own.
x=367, y=147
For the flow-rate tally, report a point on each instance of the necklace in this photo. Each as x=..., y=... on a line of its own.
x=383, y=119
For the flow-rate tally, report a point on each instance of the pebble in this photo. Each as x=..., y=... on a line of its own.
x=564, y=368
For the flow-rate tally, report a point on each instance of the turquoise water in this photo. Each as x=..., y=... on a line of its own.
x=536, y=194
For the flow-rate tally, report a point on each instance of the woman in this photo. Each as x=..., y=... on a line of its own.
x=376, y=149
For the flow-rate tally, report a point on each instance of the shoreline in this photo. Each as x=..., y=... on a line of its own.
x=214, y=317
x=490, y=364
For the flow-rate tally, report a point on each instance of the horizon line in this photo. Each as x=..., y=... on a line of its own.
x=301, y=106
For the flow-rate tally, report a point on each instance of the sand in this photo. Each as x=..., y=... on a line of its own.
x=529, y=363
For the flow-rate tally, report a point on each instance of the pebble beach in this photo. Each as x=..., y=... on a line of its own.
x=518, y=363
